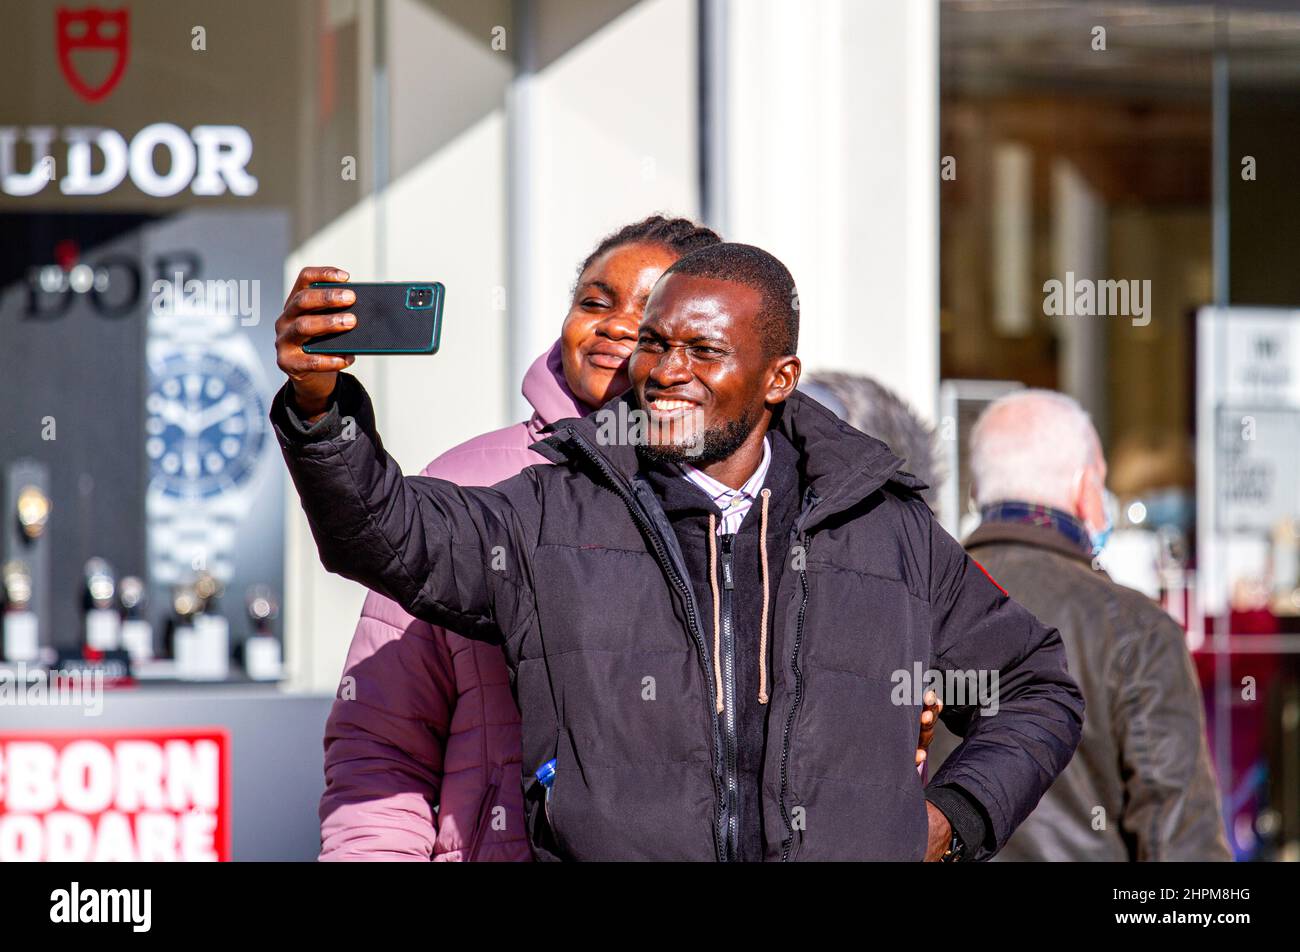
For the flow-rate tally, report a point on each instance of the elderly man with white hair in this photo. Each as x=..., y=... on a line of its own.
x=1140, y=786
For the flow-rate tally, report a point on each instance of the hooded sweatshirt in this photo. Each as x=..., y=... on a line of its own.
x=425, y=718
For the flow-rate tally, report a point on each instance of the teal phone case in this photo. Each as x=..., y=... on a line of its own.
x=396, y=317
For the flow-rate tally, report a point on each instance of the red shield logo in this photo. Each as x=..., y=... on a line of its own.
x=92, y=31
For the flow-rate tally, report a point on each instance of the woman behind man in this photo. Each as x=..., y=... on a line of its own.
x=433, y=723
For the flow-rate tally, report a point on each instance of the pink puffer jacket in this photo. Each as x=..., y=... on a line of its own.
x=431, y=720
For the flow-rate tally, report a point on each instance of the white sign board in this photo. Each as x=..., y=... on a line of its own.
x=1248, y=436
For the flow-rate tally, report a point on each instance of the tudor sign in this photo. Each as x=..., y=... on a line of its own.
x=161, y=159
x=207, y=160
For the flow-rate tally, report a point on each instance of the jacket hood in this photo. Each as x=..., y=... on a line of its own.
x=839, y=464
x=548, y=392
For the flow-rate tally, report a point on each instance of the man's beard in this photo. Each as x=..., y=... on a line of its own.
x=715, y=444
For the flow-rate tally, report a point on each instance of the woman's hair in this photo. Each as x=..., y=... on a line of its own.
x=676, y=234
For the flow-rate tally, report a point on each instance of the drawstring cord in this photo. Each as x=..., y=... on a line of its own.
x=766, y=495
x=762, y=624
x=717, y=610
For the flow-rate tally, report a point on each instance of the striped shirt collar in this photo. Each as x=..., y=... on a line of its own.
x=734, y=503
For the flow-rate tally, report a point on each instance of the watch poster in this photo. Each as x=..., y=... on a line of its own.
x=214, y=496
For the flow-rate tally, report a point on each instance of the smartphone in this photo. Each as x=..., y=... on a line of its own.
x=392, y=318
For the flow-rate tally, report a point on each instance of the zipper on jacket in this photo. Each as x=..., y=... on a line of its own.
x=692, y=622
x=728, y=649
x=485, y=805
x=809, y=502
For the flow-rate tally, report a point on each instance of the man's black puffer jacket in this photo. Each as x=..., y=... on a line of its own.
x=576, y=571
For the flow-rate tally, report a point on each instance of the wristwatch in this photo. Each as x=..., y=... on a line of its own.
x=206, y=433
x=956, y=849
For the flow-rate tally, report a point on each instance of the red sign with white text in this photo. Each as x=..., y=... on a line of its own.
x=115, y=796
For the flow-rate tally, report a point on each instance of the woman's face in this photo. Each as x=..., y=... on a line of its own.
x=599, y=332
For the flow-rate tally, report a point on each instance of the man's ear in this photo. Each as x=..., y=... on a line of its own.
x=783, y=378
x=1090, y=505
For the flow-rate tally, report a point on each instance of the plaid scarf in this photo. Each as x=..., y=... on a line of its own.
x=1038, y=515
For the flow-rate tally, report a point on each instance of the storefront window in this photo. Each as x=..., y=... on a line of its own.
x=1116, y=151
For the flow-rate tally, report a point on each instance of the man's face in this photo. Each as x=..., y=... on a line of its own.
x=699, y=370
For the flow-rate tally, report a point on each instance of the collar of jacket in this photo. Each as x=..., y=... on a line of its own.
x=681, y=498
x=840, y=465
x=1025, y=533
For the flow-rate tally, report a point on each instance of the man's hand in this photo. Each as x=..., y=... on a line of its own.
x=929, y=717
x=940, y=833
x=312, y=376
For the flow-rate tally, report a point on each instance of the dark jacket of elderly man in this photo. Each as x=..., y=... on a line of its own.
x=1140, y=786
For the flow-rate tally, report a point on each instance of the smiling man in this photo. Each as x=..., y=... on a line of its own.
x=704, y=623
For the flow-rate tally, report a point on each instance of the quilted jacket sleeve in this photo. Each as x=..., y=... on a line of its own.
x=1024, y=721
x=454, y=556
x=385, y=739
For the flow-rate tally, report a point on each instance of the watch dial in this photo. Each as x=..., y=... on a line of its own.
x=206, y=425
